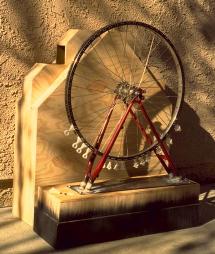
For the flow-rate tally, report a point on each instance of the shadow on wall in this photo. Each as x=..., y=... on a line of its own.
x=192, y=151
x=205, y=21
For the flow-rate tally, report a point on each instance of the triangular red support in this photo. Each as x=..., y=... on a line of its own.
x=164, y=158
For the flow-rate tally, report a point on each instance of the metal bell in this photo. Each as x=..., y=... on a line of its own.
x=142, y=161
x=136, y=164
x=67, y=132
x=116, y=166
x=109, y=166
x=78, y=141
x=85, y=155
x=79, y=150
x=177, y=128
x=169, y=141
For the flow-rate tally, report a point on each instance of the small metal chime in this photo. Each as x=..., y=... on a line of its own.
x=79, y=146
x=141, y=161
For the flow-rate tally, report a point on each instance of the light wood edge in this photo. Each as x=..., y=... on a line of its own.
x=64, y=199
x=26, y=127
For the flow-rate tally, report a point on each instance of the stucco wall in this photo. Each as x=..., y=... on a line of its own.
x=30, y=29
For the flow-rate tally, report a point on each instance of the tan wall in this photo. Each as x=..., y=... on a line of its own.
x=30, y=29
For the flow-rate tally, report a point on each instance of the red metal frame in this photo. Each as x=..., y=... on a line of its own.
x=170, y=167
x=98, y=141
x=119, y=126
x=164, y=158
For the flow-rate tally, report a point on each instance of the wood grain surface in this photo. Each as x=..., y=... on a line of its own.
x=63, y=203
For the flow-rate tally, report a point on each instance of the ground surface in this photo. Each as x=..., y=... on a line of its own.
x=18, y=237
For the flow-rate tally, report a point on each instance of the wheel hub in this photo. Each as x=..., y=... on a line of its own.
x=127, y=92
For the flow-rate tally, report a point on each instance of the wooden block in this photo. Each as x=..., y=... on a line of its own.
x=65, y=218
x=39, y=84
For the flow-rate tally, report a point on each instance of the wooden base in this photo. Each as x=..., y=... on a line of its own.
x=66, y=219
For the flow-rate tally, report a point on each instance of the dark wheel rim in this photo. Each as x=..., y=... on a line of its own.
x=156, y=67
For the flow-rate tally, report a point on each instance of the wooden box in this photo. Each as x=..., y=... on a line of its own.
x=115, y=210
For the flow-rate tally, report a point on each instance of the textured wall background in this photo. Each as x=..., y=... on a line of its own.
x=30, y=30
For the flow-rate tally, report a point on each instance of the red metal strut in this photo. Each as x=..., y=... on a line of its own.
x=164, y=158
x=170, y=168
x=119, y=126
x=98, y=141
